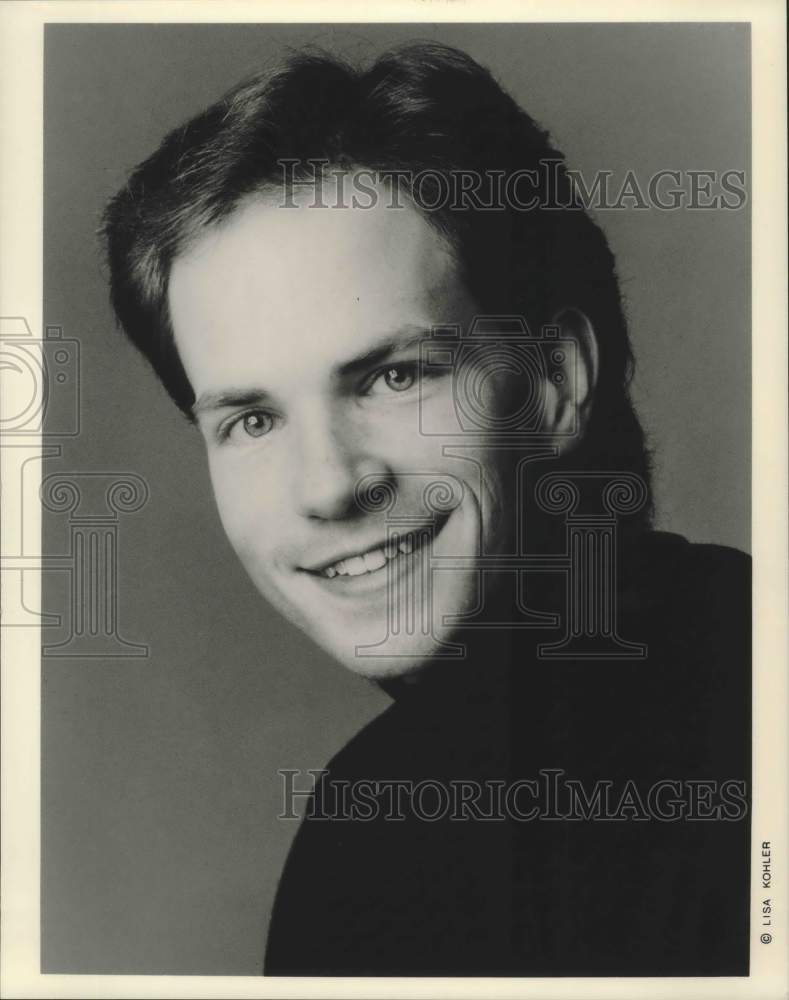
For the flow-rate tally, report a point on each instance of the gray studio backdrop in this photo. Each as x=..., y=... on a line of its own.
x=161, y=846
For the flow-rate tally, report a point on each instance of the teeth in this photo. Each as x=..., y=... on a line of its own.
x=374, y=560
x=369, y=562
x=354, y=566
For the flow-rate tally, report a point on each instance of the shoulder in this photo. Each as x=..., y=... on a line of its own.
x=701, y=589
x=413, y=738
x=691, y=603
x=666, y=554
x=371, y=743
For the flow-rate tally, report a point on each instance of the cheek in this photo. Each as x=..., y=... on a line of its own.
x=431, y=442
x=410, y=437
x=249, y=522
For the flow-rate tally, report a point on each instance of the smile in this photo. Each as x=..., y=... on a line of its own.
x=371, y=561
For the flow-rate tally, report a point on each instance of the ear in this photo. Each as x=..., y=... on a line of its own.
x=570, y=397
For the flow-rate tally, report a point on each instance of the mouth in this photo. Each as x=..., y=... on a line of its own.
x=372, y=562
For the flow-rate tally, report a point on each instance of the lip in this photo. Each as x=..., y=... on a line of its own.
x=319, y=567
x=377, y=579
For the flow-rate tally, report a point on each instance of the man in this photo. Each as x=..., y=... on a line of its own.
x=403, y=343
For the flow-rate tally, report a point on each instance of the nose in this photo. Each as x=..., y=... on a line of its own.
x=328, y=462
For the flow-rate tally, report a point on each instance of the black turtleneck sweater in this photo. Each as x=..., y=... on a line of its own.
x=629, y=891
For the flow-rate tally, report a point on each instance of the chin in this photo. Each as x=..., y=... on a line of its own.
x=378, y=643
x=389, y=622
x=403, y=657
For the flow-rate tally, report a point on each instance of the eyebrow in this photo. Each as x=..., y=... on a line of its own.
x=400, y=340
x=229, y=398
x=385, y=348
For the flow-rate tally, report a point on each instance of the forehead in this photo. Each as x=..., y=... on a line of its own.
x=272, y=282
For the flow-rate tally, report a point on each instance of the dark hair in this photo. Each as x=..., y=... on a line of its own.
x=423, y=107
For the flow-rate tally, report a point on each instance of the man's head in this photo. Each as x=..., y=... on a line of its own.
x=293, y=331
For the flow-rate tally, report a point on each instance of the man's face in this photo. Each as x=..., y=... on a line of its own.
x=300, y=330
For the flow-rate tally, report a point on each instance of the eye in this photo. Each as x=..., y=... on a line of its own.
x=394, y=378
x=252, y=424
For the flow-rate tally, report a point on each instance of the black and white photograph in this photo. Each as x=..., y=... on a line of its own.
x=390, y=425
